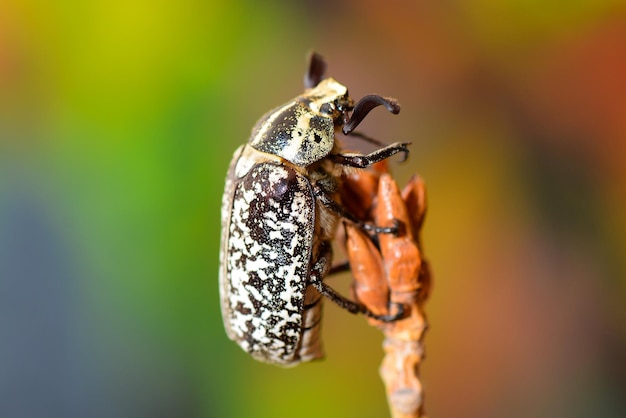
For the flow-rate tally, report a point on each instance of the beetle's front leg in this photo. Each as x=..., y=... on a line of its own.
x=325, y=200
x=364, y=161
x=320, y=269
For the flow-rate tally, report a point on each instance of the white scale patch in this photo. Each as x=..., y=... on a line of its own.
x=268, y=257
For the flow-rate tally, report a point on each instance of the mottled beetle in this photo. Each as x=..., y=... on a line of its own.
x=279, y=217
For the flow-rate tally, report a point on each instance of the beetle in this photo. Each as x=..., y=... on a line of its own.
x=279, y=215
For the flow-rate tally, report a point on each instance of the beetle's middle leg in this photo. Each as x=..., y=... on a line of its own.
x=329, y=203
x=321, y=268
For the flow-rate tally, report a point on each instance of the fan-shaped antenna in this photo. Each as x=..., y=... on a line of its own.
x=365, y=105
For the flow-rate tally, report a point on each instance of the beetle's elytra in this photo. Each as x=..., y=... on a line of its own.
x=279, y=215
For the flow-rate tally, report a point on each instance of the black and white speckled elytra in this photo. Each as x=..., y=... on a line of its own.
x=279, y=217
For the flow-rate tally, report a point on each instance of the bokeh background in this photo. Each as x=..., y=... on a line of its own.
x=117, y=122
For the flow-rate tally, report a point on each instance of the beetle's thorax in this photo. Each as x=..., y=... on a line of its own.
x=302, y=131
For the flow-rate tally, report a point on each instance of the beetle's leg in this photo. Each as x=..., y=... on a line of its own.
x=325, y=200
x=351, y=306
x=320, y=269
x=364, y=161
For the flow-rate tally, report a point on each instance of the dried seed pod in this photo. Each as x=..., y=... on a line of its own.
x=414, y=197
x=356, y=193
x=400, y=253
x=392, y=265
x=368, y=270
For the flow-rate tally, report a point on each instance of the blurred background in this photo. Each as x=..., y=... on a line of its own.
x=118, y=120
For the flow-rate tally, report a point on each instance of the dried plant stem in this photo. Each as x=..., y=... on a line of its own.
x=400, y=368
x=393, y=272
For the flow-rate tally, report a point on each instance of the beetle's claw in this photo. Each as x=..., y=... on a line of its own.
x=380, y=229
x=395, y=230
x=405, y=150
x=388, y=318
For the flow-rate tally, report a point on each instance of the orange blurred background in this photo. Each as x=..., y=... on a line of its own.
x=117, y=123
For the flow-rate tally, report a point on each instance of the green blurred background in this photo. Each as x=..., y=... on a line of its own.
x=117, y=123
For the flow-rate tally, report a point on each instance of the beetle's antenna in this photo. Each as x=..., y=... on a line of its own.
x=316, y=70
x=365, y=105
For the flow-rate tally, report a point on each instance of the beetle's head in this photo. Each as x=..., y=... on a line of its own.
x=328, y=99
x=303, y=130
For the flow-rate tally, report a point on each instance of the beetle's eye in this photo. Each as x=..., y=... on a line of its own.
x=327, y=109
x=342, y=105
